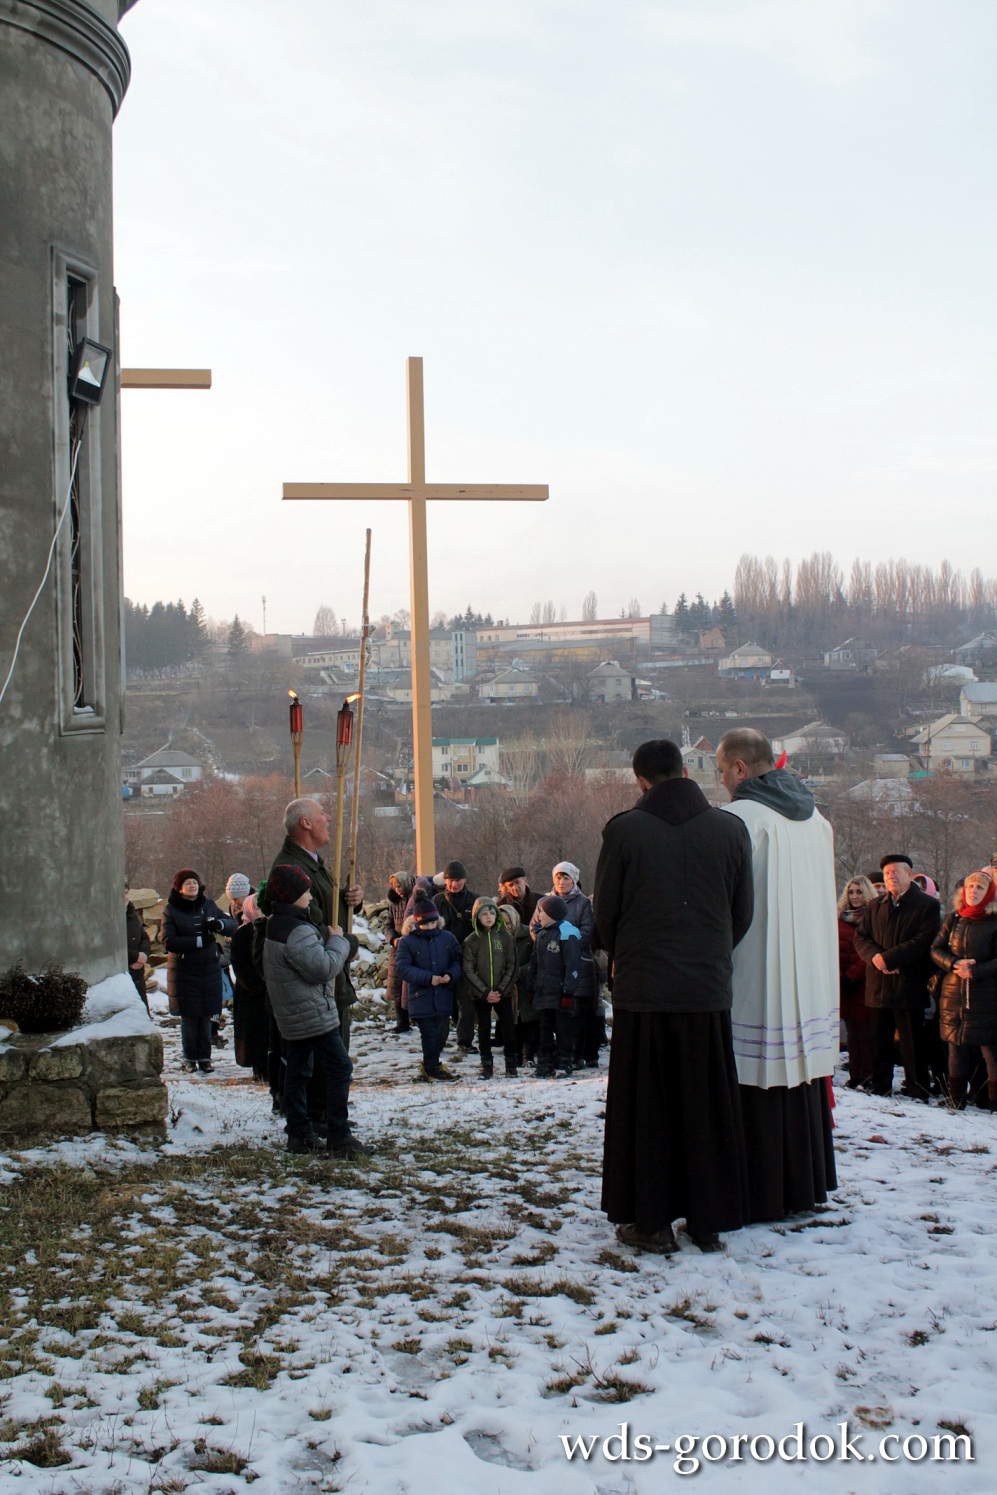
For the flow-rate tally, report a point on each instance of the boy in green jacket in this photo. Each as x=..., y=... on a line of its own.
x=490, y=964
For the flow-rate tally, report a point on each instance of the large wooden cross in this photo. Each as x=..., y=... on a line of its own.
x=416, y=491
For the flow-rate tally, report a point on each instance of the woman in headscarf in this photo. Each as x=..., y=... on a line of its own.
x=250, y=1017
x=401, y=887
x=965, y=949
x=851, y=980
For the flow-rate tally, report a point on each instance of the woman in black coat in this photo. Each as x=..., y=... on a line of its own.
x=193, y=968
x=965, y=949
x=250, y=1017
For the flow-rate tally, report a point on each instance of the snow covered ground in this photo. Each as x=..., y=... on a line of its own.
x=219, y=1313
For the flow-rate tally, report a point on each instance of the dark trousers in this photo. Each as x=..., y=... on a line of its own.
x=859, y=1048
x=433, y=1032
x=962, y=1057
x=557, y=1040
x=528, y=1036
x=329, y=1055
x=910, y=1028
x=463, y=1011
x=484, y=1012
x=195, y=1039
x=275, y=1061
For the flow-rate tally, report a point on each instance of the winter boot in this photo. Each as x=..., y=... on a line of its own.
x=511, y=1069
x=487, y=1069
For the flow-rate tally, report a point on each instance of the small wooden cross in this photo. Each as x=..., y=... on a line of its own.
x=416, y=491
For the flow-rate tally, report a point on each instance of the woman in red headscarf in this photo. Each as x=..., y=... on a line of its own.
x=965, y=949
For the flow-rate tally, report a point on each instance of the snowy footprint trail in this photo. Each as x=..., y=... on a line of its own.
x=219, y=1314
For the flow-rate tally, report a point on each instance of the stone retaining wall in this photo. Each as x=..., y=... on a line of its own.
x=105, y=1075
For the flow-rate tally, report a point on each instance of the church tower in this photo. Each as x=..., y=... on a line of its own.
x=63, y=74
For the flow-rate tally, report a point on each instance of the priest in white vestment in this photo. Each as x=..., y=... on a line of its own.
x=785, y=1008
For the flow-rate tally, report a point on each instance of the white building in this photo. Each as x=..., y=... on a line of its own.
x=461, y=759
x=167, y=771
x=953, y=743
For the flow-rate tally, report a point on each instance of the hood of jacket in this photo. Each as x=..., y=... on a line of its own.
x=781, y=791
x=674, y=801
x=479, y=904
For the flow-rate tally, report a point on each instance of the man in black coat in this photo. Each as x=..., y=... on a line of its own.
x=673, y=895
x=893, y=937
x=455, y=904
x=514, y=889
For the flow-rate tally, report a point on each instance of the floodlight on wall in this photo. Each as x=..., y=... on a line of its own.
x=89, y=370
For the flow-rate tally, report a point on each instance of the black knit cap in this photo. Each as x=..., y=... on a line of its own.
x=287, y=883
x=455, y=871
x=896, y=856
x=509, y=874
x=555, y=908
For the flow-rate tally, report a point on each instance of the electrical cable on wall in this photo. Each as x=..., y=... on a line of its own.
x=48, y=563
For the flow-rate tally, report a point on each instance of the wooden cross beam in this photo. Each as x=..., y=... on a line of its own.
x=416, y=492
x=165, y=378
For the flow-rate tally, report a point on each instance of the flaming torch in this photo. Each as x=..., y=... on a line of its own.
x=297, y=732
x=344, y=741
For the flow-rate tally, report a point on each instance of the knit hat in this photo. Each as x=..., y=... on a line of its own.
x=183, y=875
x=286, y=884
x=238, y=886
x=509, y=874
x=896, y=856
x=425, y=911
x=555, y=908
x=455, y=871
x=570, y=869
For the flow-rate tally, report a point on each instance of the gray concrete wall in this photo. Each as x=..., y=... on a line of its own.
x=63, y=72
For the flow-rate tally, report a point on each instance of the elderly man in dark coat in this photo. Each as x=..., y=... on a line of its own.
x=306, y=827
x=673, y=896
x=894, y=937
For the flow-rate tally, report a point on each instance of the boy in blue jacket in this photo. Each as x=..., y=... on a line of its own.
x=557, y=974
x=428, y=961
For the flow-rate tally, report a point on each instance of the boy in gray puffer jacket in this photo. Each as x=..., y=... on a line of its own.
x=301, y=969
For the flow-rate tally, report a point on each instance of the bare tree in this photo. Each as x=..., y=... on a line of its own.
x=590, y=608
x=549, y=614
x=536, y=612
x=440, y=619
x=634, y=609
x=326, y=623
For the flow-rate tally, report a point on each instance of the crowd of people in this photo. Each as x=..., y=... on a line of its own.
x=711, y=931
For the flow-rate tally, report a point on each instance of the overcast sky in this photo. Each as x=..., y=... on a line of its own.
x=721, y=272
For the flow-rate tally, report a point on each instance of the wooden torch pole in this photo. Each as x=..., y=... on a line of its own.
x=355, y=808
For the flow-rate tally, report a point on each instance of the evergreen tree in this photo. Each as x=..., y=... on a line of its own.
x=680, y=613
x=699, y=614
x=726, y=616
x=197, y=628
x=238, y=646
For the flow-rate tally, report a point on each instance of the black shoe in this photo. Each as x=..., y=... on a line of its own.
x=442, y=1073
x=544, y=1072
x=206, y=1067
x=511, y=1071
x=707, y=1241
x=487, y=1072
x=402, y=1027
x=311, y=1143
x=349, y=1147
x=662, y=1241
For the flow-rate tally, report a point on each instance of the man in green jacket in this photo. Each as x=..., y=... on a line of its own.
x=306, y=827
